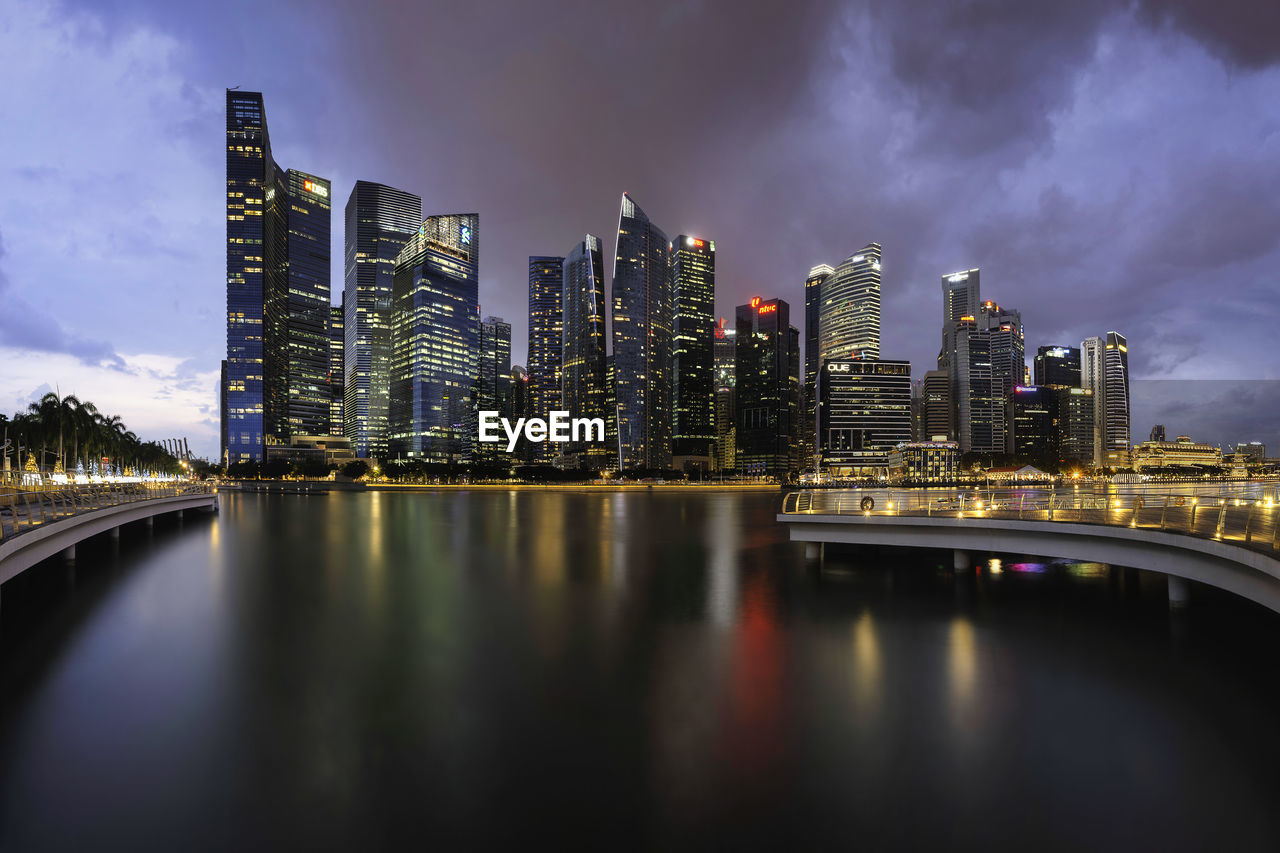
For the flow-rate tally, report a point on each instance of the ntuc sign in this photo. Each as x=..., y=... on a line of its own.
x=768, y=308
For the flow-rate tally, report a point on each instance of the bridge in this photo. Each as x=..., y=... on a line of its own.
x=1230, y=541
x=38, y=524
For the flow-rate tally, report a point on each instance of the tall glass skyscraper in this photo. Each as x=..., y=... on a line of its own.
x=1092, y=378
x=248, y=163
x=849, y=320
x=767, y=370
x=306, y=305
x=546, y=326
x=495, y=364
x=379, y=221
x=642, y=318
x=277, y=290
x=435, y=341
x=693, y=292
x=337, y=373
x=583, y=380
x=1115, y=400
x=726, y=411
x=1058, y=366
x=812, y=321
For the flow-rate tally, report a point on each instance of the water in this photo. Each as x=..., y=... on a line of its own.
x=630, y=670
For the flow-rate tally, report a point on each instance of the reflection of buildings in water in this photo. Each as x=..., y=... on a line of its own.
x=962, y=672
x=547, y=550
x=754, y=737
x=867, y=665
x=622, y=529
x=722, y=558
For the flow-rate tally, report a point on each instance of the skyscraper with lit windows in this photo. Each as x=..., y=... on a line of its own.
x=812, y=321
x=692, y=264
x=546, y=326
x=379, y=221
x=642, y=320
x=583, y=371
x=849, y=318
x=435, y=341
x=767, y=370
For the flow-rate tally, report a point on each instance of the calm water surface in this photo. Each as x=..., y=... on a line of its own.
x=627, y=670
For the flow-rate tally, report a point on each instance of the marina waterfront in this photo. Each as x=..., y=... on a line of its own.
x=643, y=668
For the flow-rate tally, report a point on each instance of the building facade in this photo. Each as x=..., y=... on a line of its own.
x=379, y=220
x=583, y=367
x=1115, y=400
x=435, y=341
x=1057, y=366
x=642, y=320
x=692, y=264
x=726, y=412
x=849, y=319
x=812, y=322
x=546, y=329
x=864, y=412
x=1033, y=432
x=767, y=385
x=1091, y=377
x=925, y=462
x=337, y=373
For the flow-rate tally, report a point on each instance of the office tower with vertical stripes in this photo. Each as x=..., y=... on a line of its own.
x=692, y=264
x=583, y=372
x=379, y=221
x=546, y=326
x=849, y=317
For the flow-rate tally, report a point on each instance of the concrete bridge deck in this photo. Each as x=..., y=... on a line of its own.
x=36, y=525
x=1229, y=542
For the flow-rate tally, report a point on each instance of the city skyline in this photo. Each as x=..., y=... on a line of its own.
x=1042, y=242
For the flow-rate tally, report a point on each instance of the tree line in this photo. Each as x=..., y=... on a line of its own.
x=63, y=431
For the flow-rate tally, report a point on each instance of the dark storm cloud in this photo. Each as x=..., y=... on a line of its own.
x=1242, y=32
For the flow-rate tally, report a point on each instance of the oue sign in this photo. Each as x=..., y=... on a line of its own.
x=838, y=367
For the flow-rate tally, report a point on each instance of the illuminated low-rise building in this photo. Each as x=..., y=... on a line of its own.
x=1172, y=458
x=925, y=462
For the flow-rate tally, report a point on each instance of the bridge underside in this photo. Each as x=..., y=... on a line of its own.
x=1250, y=574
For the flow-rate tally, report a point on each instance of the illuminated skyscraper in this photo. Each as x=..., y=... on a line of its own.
x=1092, y=377
x=693, y=292
x=767, y=370
x=642, y=319
x=277, y=290
x=863, y=414
x=435, y=341
x=726, y=429
x=249, y=168
x=961, y=297
x=1115, y=400
x=583, y=375
x=337, y=355
x=986, y=364
x=1058, y=366
x=303, y=340
x=849, y=319
x=812, y=320
x=546, y=326
x=495, y=364
x=379, y=221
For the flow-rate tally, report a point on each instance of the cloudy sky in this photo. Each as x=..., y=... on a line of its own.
x=1107, y=165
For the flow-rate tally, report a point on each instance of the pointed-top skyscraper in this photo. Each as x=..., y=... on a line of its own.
x=642, y=320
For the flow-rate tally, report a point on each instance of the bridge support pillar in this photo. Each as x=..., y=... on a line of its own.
x=813, y=550
x=1179, y=592
x=179, y=515
x=151, y=522
x=961, y=560
x=115, y=533
x=69, y=553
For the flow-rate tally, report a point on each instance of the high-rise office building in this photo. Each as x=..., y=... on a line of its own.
x=849, y=319
x=986, y=364
x=249, y=168
x=379, y=221
x=1074, y=424
x=642, y=318
x=812, y=320
x=494, y=384
x=692, y=265
x=936, y=408
x=726, y=428
x=277, y=290
x=546, y=344
x=1158, y=433
x=222, y=411
x=863, y=414
x=1032, y=433
x=1115, y=400
x=435, y=341
x=305, y=298
x=961, y=297
x=1058, y=366
x=1092, y=378
x=583, y=370
x=337, y=373
x=767, y=384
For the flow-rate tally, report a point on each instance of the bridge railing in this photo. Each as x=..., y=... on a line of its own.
x=1251, y=521
x=24, y=510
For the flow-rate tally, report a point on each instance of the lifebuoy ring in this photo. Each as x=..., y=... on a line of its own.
x=868, y=503
x=1179, y=501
